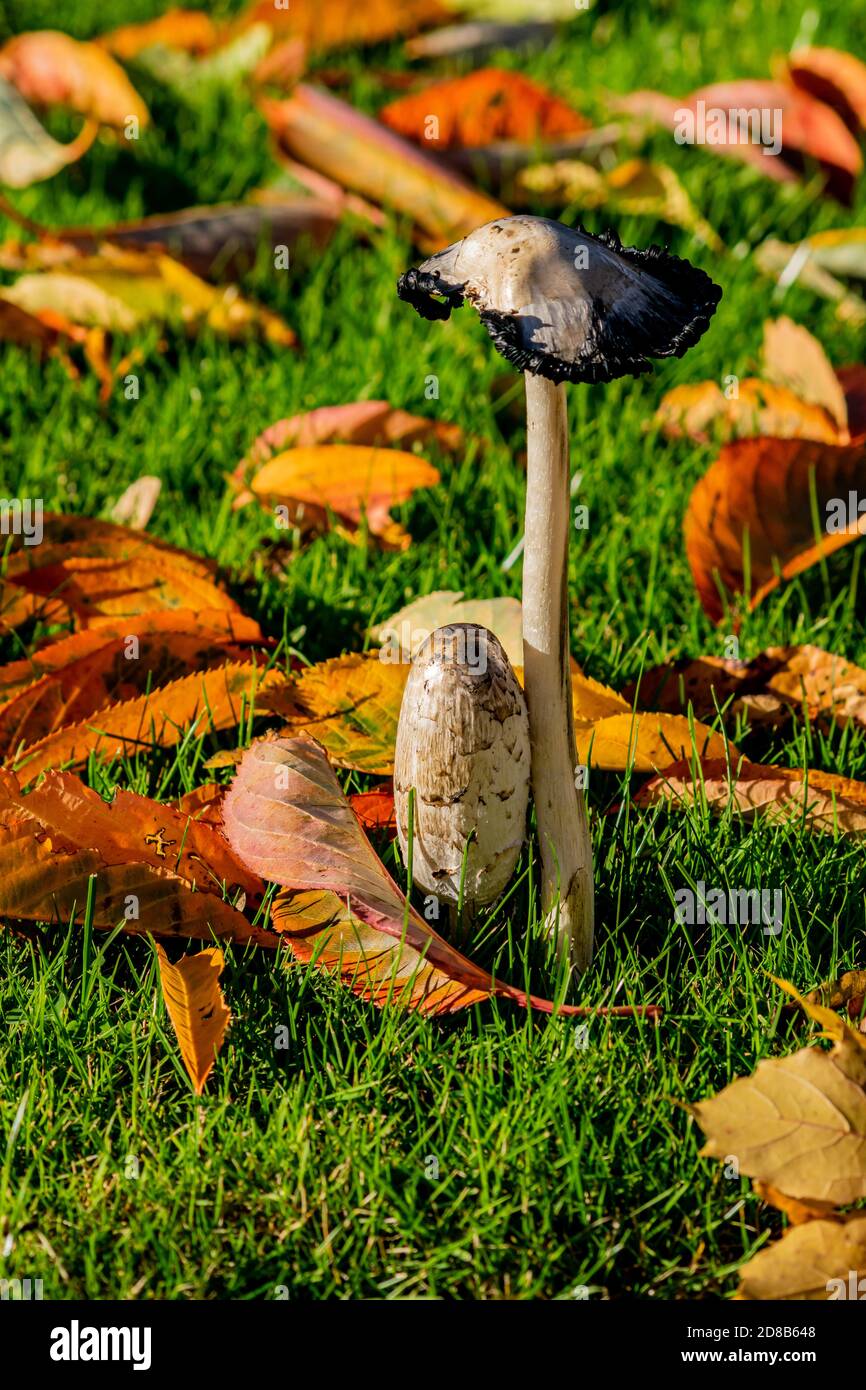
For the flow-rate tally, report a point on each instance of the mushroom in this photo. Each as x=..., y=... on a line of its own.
x=463, y=749
x=562, y=306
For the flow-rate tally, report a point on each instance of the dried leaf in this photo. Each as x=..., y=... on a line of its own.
x=360, y=154
x=798, y=1123
x=109, y=673
x=483, y=106
x=834, y=77
x=636, y=188
x=210, y=700
x=818, y=801
x=769, y=687
x=795, y=359
x=375, y=808
x=350, y=480
x=374, y=423
x=145, y=866
x=849, y=988
x=819, y=1261
x=407, y=629
x=27, y=152
x=798, y=1213
x=761, y=488
x=192, y=31
x=703, y=411
x=345, y=23
x=197, y=1009
x=51, y=69
x=121, y=290
x=800, y=263
x=287, y=818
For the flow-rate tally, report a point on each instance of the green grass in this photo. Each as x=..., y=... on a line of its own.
x=309, y=1168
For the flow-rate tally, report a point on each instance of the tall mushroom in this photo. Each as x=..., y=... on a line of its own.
x=562, y=306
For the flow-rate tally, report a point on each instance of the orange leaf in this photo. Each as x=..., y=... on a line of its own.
x=762, y=488
x=345, y=23
x=480, y=108
x=349, y=480
x=196, y=1008
x=359, y=153
x=795, y=359
x=62, y=845
x=51, y=69
x=191, y=31
x=702, y=411
x=212, y=700
x=836, y=78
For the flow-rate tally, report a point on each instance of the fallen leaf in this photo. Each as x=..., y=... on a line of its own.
x=197, y=1009
x=360, y=154
x=797, y=1212
x=286, y=816
x=209, y=700
x=480, y=107
x=350, y=705
x=849, y=988
x=220, y=241
x=407, y=629
x=27, y=152
x=801, y=264
x=818, y=1261
x=51, y=69
x=112, y=672
x=703, y=411
x=120, y=290
x=817, y=801
x=375, y=808
x=189, y=30
x=636, y=188
x=762, y=489
x=374, y=423
x=65, y=847
x=798, y=1123
x=351, y=481
x=805, y=130
x=769, y=687
x=793, y=358
x=834, y=77
x=345, y=23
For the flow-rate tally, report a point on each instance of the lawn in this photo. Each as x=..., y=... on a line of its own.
x=378, y=1154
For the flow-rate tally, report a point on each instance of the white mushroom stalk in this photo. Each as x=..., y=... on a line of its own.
x=562, y=306
x=463, y=750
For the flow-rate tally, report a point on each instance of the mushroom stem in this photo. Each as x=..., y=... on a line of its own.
x=563, y=831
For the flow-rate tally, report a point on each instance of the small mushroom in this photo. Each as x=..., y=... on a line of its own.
x=463, y=747
x=562, y=306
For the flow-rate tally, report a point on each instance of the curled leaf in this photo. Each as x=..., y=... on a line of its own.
x=197, y=1009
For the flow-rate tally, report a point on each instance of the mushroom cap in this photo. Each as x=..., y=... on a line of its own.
x=563, y=304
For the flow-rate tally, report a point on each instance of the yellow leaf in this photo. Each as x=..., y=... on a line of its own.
x=196, y=1008
x=821, y=1260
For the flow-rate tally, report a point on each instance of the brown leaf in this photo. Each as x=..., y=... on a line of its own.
x=821, y=1261
x=210, y=700
x=407, y=629
x=375, y=808
x=120, y=290
x=769, y=688
x=793, y=358
x=762, y=488
x=148, y=867
x=703, y=411
x=197, y=1009
x=834, y=77
x=106, y=675
x=51, y=69
x=819, y=801
x=287, y=818
x=360, y=154
x=798, y=1213
x=798, y=1123
x=350, y=480
x=480, y=107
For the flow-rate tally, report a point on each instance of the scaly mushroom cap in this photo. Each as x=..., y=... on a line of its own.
x=560, y=303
